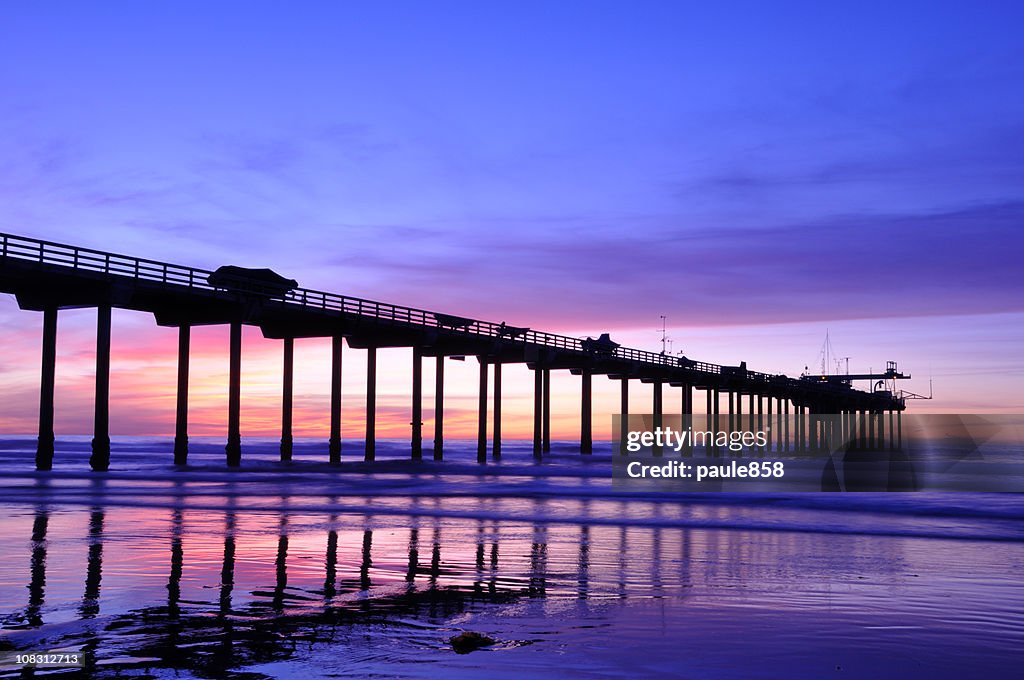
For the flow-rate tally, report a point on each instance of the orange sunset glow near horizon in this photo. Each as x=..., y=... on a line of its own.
x=144, y=365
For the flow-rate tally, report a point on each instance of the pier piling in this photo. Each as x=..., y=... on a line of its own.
x=287, y=388
x=439, y=409
x=99, y=461
x=234, y=445
x=538, y=410
x=370, y=453
x=44, y=445
x=181, y=412
x=334, y=443
x=586, y=413
x=547, y=410
x=417, y=403
x=657, y=411
x=481, y=433
x=496, y=446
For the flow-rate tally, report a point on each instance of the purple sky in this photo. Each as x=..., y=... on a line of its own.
x=758, y=172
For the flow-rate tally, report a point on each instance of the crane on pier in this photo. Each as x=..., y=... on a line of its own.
x=880, y=382
x=891, y=373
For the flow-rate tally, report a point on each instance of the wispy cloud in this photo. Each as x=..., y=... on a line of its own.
x=869, y=266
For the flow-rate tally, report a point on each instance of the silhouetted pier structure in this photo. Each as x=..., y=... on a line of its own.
x=47, y=277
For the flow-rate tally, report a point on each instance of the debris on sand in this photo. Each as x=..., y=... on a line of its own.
x=467, y=642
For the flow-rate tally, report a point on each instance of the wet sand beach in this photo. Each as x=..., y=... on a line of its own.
x=296, y=571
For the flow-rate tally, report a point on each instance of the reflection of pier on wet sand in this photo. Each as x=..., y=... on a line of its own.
x=222, y=586
x=226, y=632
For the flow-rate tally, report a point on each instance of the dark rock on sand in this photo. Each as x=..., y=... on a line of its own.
x=467, y=642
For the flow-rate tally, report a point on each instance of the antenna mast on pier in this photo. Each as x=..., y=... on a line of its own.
x=828, y=361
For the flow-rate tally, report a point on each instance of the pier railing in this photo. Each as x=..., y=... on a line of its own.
x=115, y=265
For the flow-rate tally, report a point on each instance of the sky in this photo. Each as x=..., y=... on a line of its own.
x=758, y=173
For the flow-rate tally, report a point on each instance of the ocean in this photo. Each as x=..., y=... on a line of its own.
x=369, y=570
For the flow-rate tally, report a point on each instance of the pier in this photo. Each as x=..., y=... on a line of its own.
x=47, y=277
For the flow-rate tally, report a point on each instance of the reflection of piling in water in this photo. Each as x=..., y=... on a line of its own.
x=686, y=558
x=656, y=582
x=492, y=584
x=538, y=561
x=622, y=569
x=281, y=566
x=37, y=568
x=331, y=562
x=435, y=556
x=227, y=570
x=583, y=564
x=480, y=548
x=331, y=573
x=486, y=561
x=414, y=555
x=177, y=563
x=367, y=560
x=224, y=636
x=90, y=605
x=435, y=564
x=213, y=636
